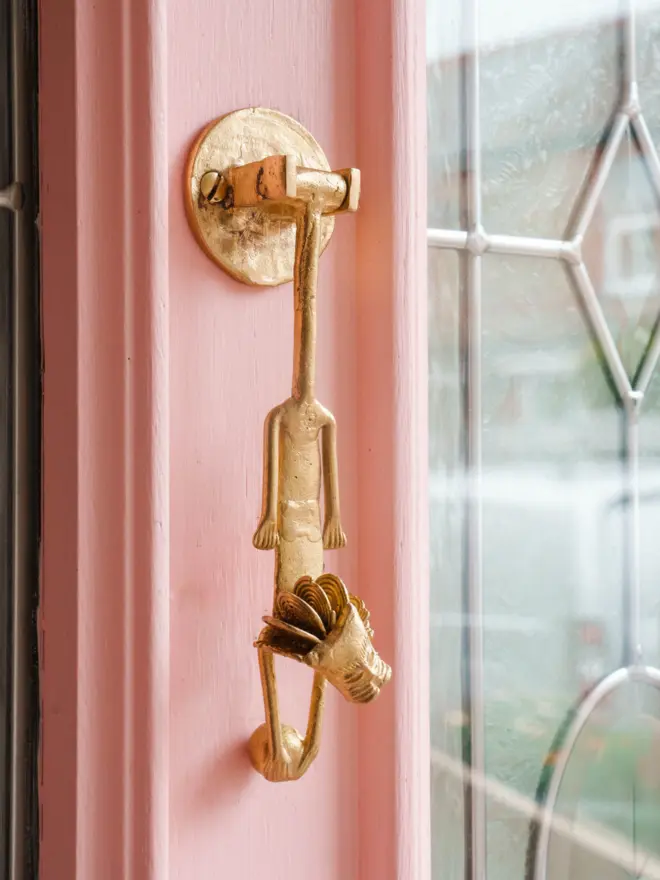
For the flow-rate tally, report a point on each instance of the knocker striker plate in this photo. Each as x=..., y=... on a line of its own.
x=254, y=245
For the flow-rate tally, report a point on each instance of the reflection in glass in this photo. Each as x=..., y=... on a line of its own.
x=551, y=465
x=558, y=551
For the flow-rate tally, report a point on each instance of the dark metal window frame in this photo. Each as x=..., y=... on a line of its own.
x=20, y=430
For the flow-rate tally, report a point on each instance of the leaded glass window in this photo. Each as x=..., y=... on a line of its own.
x=544, y=340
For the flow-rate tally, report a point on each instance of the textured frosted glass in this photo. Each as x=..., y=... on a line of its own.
x=612, y=786
x=446, y=565
x=443, y=97
x=545, y=104
x=649, y=477
x=648, y=64
x=551, y=557
x=539, y=132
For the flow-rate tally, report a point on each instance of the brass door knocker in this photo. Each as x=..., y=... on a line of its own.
x=261, y=200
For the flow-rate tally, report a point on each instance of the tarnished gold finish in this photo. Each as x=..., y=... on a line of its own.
x=246, y=216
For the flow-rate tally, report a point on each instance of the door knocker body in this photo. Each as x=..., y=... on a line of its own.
x=261, y=200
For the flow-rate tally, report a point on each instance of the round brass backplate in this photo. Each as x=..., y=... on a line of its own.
x=251, y=244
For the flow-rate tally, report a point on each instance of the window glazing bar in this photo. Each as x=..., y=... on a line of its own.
x=529, y=247
x=447, y=238
x=649, y=363
x=632, y=593
x=629, y=62
x=514, y=245
x=470, y=324
x=601, y=331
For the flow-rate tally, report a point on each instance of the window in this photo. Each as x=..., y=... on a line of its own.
x=544, y=300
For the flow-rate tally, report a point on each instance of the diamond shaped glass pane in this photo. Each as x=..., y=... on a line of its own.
x=622, y=254
x=546, y=100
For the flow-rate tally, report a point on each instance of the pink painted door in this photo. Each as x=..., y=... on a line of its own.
x=231, y=362
x=161, y=369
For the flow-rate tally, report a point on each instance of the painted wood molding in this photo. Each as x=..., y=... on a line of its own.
x=104, y=610
x=394, y=779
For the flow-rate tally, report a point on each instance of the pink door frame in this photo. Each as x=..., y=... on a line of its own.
x=116, y=85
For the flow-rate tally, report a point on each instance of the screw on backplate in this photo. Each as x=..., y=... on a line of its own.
x=213, y=187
